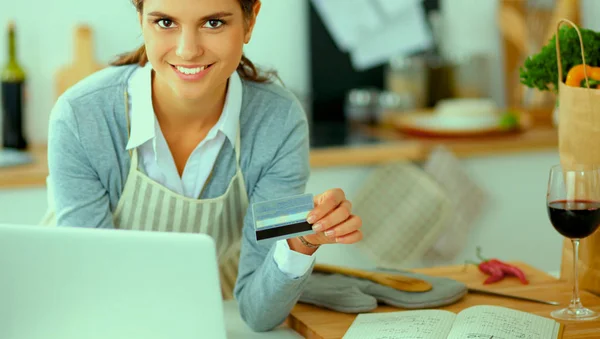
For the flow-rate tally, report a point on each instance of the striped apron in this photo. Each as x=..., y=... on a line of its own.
x=148, y=206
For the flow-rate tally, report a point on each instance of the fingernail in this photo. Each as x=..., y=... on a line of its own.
x=329, y=233
x=311, y=219
x=317, y=227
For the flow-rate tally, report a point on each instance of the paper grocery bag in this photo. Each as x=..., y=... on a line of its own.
x=579, y=144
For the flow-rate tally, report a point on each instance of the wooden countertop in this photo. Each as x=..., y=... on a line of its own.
x=394, y=147
x=319, y=323
x=400, y=147
x=27, y=176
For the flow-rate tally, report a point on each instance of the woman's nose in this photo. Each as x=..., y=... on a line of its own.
x=188, y=46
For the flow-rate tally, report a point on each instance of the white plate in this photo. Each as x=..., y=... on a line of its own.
x=450, y=123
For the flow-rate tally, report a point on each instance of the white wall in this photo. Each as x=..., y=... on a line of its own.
x=280, y=41
x=589, y=14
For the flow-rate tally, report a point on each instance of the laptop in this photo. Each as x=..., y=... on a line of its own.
x=82, y=283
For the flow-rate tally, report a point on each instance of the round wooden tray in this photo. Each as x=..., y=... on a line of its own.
x=428, y=124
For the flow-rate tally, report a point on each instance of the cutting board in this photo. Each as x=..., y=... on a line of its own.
x=83, y=63
x=319, y=323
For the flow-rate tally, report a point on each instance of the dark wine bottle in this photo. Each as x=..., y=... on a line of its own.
x=12, y=78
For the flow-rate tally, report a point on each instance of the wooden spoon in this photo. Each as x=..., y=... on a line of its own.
x=395, y=281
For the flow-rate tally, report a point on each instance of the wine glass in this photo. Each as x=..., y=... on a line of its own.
x=573, y=201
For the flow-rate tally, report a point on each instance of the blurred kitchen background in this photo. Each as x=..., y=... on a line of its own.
x=366, y=71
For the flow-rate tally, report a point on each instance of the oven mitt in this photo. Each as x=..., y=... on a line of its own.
x=354, y=295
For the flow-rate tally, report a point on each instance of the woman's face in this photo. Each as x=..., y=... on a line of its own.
x=194, y=45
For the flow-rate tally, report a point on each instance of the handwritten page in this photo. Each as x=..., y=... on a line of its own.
x=427, y=324
x=484, y=322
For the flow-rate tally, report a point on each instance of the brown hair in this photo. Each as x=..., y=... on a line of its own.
x=246, y=68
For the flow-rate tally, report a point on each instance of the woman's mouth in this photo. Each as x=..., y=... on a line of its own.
x=192, y=72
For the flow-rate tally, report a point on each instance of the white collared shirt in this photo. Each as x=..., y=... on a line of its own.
x=155, y=156
x=157, y=161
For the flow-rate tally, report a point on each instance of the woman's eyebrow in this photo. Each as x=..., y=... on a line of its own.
x=204, y=18
x=160, y=14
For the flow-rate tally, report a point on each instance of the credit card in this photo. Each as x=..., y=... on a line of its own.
x=283, y=218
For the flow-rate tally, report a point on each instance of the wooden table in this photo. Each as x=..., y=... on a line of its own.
x=317, y=323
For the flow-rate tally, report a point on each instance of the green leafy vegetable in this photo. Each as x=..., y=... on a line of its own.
x=541, y=70
x=509, y=120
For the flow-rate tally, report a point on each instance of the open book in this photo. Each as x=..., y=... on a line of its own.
x=477, y=322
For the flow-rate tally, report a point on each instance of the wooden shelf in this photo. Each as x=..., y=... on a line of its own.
x=27, y=176
x=400, y=148
x=395, y=147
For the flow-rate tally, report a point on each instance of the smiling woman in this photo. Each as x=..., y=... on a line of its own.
x=182, y=135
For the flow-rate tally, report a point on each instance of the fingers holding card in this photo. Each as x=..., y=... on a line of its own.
x=283, y=218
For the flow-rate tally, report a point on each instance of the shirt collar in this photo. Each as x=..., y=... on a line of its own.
x=230, y=118
x=142, y=113
x=143, y=120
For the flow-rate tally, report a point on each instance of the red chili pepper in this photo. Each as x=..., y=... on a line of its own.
x=510, y=270
x=504, y=267
x=494, y=272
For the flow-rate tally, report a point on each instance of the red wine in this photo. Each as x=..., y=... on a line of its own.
x=575, y=219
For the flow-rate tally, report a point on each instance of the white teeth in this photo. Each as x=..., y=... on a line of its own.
x=190, y=71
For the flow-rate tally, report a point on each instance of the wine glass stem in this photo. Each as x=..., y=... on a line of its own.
x=575, y=301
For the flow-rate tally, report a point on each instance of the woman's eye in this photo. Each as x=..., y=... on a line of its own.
x=165, y=23
x=214, y=23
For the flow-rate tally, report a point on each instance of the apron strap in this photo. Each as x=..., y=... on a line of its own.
x=239, y=172
x=237, y=146
x=132, y=153
x=127, y=118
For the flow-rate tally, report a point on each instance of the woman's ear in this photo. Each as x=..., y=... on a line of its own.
x=252, y=21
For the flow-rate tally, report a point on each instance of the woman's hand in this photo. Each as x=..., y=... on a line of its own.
x=333, y=221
